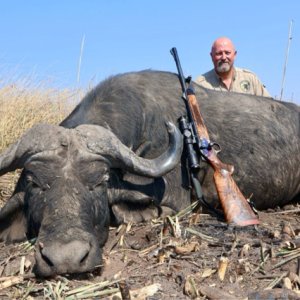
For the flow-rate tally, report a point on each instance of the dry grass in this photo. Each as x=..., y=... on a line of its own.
x=23, y=106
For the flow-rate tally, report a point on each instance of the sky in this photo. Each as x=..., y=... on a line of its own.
x=79, y=43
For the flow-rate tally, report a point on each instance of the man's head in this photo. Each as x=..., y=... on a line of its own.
x=223, y=54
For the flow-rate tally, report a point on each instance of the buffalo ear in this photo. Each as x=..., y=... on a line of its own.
x=13, y=224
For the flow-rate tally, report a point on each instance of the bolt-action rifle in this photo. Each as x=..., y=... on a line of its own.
x=198, y=145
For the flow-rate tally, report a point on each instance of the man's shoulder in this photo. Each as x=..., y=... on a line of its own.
x=245, y=72
x=246, y=76
x=206, y=76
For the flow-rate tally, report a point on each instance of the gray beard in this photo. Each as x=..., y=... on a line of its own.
x=223, y=67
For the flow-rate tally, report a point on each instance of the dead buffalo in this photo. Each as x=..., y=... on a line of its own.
x=110, y=161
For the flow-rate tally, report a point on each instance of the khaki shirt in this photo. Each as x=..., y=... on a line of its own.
x=244, y=81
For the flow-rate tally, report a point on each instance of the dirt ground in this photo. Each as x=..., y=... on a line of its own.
x=193, y=256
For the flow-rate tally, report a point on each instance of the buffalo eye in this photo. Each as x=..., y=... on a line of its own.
x=34, y=182
x=30, y=179
x=100, y=182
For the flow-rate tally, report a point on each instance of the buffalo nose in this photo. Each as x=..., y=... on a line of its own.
x=74, y=252
x=62, y=258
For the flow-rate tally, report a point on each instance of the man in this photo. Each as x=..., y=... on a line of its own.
x=226, y=77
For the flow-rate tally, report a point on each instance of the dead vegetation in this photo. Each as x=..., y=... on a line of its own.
x=189, y=256
x=23, y=106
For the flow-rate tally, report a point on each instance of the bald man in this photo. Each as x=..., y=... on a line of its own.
x=225, y=76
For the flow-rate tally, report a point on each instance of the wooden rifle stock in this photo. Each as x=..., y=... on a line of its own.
x=235, y=206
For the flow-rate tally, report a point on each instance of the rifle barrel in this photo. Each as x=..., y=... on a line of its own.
x=179, y=69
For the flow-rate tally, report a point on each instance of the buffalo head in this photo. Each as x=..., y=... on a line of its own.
x=62, y=195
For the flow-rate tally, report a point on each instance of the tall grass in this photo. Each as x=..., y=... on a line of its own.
x=22, y=106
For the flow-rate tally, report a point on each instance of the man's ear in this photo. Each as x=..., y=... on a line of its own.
x=13, y=224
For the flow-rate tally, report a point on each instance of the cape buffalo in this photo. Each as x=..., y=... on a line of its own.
x=110, y=161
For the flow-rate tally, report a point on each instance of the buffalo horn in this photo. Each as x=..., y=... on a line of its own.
x=39, y=138
x=120, y=156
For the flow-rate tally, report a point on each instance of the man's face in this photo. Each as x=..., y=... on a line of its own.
x=223, y=55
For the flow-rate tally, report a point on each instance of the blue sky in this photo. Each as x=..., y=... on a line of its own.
x=43, y=39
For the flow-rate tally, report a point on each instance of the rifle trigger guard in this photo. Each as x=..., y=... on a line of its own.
x=215, y=146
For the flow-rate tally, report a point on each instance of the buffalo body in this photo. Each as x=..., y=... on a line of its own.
x=111, y=161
